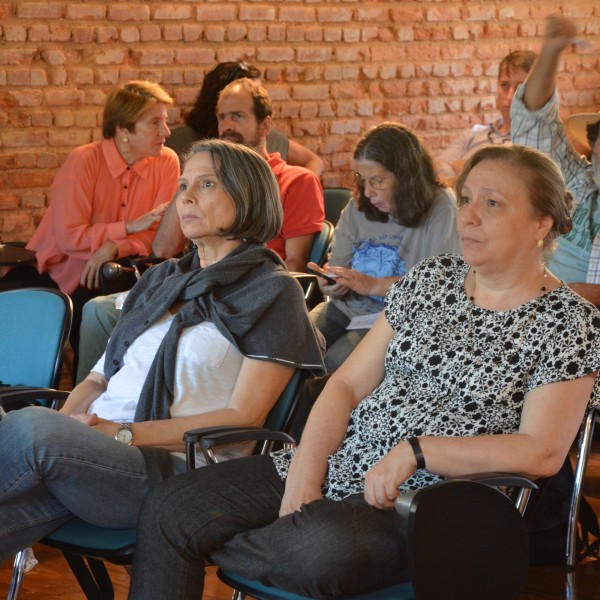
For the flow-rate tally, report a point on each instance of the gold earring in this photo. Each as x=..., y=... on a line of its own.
x=540, y=243
x=125, y=140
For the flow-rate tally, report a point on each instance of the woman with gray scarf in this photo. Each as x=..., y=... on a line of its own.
x=202, y=341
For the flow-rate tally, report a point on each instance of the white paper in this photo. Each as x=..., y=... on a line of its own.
x=363, y=321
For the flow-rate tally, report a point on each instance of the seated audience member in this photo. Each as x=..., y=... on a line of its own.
x=106, y=198
x=470, y=369
x=244, y=112
x=512, y=72
x=203, y=341
x=399, y=216
x=201, y=121
x=536, y=123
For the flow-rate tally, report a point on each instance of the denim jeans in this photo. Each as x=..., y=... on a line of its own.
x=98, y=320
x=54, y=468
x=332, y=323
x=229, y=513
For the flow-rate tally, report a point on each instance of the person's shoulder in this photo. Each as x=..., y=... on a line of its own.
x=567, y=302
x=290, y=171
x=168, y=154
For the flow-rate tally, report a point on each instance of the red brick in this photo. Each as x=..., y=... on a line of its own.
x=59, y=33
x=443, y=13
x=107, y=34
x=16, y=57
x=236, y=32
x=276, y=33
x=296, y=14
x=111, y=56
x=191, y=33
x=407, y=12
x=220, y=12
x=30, y=97
x=130, y=35
x=257, y=34
x=57, y=76
x=129, y=12
x=155, y=56
x=28, y=179
x=71, y=138
x=41, y=118
x=33, y=200
x=14, y=33
x=267, y=55
x=83, y=35
x=334, y=14
x=257, y=13
x=172, y=33
x=234, y=53
x=314, y=54
x=108, y=75
x=80, y=12
x=63, y=97
x=39, y=10
x=8, y=201
x=214, y=33
x=175, y=13
x=310, y=92
x=17, y=77
x=40, y=32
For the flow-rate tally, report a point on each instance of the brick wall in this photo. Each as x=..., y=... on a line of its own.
x=334, y=68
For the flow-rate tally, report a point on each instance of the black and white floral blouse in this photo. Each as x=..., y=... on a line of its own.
x=454, y=369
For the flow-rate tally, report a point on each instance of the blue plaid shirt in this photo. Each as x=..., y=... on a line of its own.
x=543, y=130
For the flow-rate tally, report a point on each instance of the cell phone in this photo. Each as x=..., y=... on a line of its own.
x=321, y=273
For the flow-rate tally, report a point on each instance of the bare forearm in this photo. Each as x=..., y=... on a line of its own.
x=168, y=433
x=541, y=82
x=82, y=396
x=169, y=239
x=511, y=453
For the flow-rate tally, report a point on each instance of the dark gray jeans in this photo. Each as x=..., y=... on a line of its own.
x=228, y=513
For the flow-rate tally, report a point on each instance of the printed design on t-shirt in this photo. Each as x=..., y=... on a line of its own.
x=377, y=260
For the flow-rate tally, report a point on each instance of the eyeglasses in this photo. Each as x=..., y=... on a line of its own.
x=375, y=183
x=243, y=66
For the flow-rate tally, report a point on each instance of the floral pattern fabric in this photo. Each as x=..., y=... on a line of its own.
x=454, y=369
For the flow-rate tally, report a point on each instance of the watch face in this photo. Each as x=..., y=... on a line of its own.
x=124, y=435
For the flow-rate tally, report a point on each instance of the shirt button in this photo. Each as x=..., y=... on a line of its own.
x=125, y=187
x=115, y=362
x=126, y=344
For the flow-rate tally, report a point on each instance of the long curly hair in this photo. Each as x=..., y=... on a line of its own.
x=396, y=148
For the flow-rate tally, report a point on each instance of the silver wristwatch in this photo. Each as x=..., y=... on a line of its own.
x=125, y=434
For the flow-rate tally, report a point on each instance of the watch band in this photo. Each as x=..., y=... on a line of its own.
x=416, y=448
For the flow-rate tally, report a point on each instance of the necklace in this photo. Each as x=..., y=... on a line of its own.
x=526, y=324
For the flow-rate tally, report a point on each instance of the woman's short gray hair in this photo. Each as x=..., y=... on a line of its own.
x=249, y=181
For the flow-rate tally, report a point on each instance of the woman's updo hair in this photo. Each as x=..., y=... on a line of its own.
x=548, y=194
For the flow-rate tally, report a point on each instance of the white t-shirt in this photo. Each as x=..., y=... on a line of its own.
x=205, y=374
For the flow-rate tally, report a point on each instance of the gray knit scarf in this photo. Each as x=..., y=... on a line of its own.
x=248, y=295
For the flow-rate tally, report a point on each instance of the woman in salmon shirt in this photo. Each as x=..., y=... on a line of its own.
x=106, y=198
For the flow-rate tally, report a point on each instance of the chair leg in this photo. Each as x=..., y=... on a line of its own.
x=17, y=576
x=92, y=576
x=24, y=562
x=585, y=445
x=237, y=595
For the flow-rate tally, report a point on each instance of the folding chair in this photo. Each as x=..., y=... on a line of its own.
x=335, y=199
x=35, y=325
x=585, y=445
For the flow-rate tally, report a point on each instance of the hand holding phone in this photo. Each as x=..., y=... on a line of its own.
x=316, y=270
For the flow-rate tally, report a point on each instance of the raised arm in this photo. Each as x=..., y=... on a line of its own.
x=541, y=82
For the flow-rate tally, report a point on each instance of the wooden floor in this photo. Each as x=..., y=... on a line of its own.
x=51, y=579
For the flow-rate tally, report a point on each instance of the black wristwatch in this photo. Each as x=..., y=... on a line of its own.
x=125, y=434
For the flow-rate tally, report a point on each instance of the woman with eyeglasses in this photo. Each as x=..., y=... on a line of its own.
x=400, y=215
x=201, y=121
